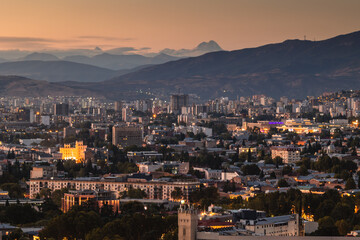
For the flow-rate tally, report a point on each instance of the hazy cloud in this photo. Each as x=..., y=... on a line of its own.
x=105, y=38
x=24, y=39
x=128, y=50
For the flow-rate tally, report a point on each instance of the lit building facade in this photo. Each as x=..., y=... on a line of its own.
x=154, y=189
x=289, y=154
x=77, y=198
x=76, y=153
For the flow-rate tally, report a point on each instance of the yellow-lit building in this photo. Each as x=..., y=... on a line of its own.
x=76, y=153
x=300, y=126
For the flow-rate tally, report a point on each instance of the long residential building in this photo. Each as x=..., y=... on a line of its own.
x=154, y=189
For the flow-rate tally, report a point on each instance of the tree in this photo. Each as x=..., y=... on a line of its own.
x=278, y=161
x=57, y=195
x=303, y=171
x=73, y=224
x=177, y=194
x=353, y=151
x=19, y=214
x=45, y=193
x=132, y=208
x=350, y=184
x=343, y=227
x=14, y=190
x=282, y=183
x=327, y=227
x=204, y=196
x=136, y=193
x=251, y=169
x=261, y=176
x=249, y=155
x=229, y=187
x=287, y=170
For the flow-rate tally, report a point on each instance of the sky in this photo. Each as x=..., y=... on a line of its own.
x=158, y=24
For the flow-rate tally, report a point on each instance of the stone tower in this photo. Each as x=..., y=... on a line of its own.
x=187, y=222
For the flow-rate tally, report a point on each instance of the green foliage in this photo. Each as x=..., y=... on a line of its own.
x=74, y=224
x=126, y=167
x=250, y=169
x=350, y=184
x=206, y=159
x=19, y=214
x=131, y=208
x=327, y=164
x=229, y=187
x=177, y=193
x=326, y=227
x=287, y=170
x=278, y=161
x=135, y=193
x=45, y=193
x=217, y=128
x=57, y=195
x=136, y=227
x=14, y=189
x=303, y=171
x=282, y=183
x=343, y=227
x=204, y=196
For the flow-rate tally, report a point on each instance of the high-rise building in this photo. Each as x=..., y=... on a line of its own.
x=61, y=109
x=117, y=106
x=126, y=114
x=127, y=135
x=23, y=115
x=177, y=101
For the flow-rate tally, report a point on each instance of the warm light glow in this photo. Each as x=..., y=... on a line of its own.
x=77, y=153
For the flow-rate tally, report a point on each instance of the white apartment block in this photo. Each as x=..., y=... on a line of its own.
x=289, y=154
x=153, y=189
x=286, y=225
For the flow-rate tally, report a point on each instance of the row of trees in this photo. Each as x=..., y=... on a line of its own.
x=134, y=223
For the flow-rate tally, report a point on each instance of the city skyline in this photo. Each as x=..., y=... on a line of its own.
x=155, y=25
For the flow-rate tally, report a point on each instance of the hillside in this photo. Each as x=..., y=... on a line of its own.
x=56, y=71
x=120, y=62
x=294, y=68
x=24, y=87
x=39, y=57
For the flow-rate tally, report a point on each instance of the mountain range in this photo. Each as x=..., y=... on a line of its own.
x=202, y=48
x=114, y=59
x=294, y=68
x=120, y=62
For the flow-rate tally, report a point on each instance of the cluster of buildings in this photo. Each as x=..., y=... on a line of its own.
x=239, y=224
x=251, y=141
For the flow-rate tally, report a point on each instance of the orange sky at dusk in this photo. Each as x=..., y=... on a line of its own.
x=158, y=24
